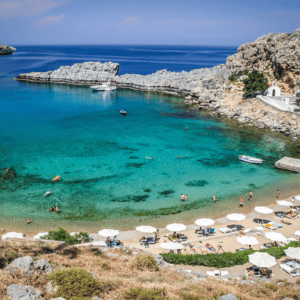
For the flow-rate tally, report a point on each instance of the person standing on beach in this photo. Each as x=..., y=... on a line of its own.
x=28, y=221
x=157, y=232
x=214, y=198
x=241, y=201
x=182, y=197
x=250, y=195
x=278, y=194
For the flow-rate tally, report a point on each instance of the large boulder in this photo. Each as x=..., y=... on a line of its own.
x=26, y=266
x=23, y=265
x=24, y=292
x=43, y=265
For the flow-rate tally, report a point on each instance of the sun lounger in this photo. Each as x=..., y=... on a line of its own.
x=262, y=247
x=292, y=271
x=227, y=230
x=285, y=222
x=276, y=224
x=269, y=226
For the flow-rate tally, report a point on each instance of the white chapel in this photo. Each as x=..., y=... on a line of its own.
x=273, y=91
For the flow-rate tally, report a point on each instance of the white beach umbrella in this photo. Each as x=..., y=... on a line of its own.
x=12, y=235
x=247, y=240
x=293, y=252
x=297, y=198
x=297, y=233
x=236, y=217
x=176, y=227
x=108, y=232
x=39, y=235
x=275, y=236
x=262, y=259
x=285, y=203
x=263, y=210
x=205, y=222
x=171, y=246
x=146, y=229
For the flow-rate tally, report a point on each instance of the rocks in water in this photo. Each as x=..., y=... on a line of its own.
x=228, y=297
x=26, y=266
x=80, y=73
x=6, y=50
x=24, y=292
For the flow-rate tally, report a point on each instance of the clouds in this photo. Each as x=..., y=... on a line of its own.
x=51, y=20
x=167, y=23
x=131, y=21
x=21, y=8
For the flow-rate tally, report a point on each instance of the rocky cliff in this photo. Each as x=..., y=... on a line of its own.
x=277, y=55
x=6, y=50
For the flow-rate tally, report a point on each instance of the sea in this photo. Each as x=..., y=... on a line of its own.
x=55, y=129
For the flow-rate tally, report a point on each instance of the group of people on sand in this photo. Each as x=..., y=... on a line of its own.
x=184, y=197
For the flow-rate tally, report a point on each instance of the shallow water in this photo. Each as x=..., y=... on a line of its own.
x=53, y=129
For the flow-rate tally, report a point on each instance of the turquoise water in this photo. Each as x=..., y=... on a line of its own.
x=52, y=129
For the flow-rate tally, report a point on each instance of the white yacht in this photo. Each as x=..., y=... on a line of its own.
x=106, y=86
x=250, y=159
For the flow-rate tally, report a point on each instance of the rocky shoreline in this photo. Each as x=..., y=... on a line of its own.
x=6, y=50
x=210, y=88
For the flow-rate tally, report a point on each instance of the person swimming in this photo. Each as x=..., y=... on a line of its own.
x=182, y=197
x=178, y=156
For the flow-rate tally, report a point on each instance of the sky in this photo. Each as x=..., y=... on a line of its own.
x=157, y=22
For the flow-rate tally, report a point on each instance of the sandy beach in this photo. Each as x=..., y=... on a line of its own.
x=228, y=241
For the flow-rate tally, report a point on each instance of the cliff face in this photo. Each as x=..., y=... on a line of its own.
x=276, y=54
x=6, y=50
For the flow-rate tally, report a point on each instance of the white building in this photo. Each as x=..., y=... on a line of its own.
x=273, y=91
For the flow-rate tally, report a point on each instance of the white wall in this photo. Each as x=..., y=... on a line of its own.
x=275, y=103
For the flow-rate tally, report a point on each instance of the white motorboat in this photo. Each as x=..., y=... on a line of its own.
x=123, y=112
x=250, y=159
x=106, y=86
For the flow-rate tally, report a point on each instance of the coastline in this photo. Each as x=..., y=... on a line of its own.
x=220, y=210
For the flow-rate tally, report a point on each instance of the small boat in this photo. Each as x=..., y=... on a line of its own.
x=250, y=159
x=47, y=193
x=148, y=157
x=123, y=112
x=106, y=86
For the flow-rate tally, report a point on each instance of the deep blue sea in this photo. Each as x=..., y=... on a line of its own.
x=54, y=129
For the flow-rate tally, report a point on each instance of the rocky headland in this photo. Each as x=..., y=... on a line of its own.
x=277, y=55
x=6, y=50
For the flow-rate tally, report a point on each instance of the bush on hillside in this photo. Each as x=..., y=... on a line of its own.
x=224, y=260
x=145, y=294
x=235, y=76
x=75, y=283
x=146, y=262
x=256, y=82
x=62, y=235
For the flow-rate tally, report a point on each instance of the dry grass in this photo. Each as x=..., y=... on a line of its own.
x=117, y=275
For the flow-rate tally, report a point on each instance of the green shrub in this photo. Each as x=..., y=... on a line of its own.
x=224, y=260
x=269, y=40
x=62, y=235
x=256, y=82
x=146, y=262
x=75, y=283
x=145, y=294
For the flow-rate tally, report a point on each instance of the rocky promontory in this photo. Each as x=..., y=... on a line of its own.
x=277, y=55
x=6, y=50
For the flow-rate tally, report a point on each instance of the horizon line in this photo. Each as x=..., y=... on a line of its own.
x=164, y=45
